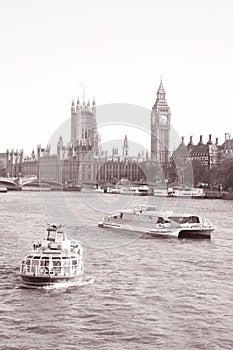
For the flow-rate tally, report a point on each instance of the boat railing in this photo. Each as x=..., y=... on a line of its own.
x=56, y=266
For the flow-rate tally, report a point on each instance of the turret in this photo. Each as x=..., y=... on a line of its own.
x=125, y=147
x=78, y=106
x=93, y=106
x=72, y=107
x=60, y=149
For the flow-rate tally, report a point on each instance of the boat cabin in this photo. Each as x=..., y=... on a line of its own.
x=142, y=218
x=56, y=233
x=56, y=265
x=186, y=219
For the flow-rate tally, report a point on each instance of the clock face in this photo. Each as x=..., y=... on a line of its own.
x=163, y=119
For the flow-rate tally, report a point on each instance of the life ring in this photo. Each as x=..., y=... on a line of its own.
x=41, y=270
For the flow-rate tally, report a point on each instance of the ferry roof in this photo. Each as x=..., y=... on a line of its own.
x=184, y=215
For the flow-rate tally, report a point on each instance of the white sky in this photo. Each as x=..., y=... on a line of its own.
x=119, y=49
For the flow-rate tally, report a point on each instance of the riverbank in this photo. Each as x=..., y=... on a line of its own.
x=211, y=194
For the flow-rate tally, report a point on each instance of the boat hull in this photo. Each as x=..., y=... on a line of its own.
x=196, y=234
x=181, y=233
x=47, y=280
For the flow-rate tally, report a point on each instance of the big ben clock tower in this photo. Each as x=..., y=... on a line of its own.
x=160, y=128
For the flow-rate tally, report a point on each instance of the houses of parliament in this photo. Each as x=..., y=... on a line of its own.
x=83, y=161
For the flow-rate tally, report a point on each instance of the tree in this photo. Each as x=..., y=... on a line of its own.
x=201, y=172
x=223, y=173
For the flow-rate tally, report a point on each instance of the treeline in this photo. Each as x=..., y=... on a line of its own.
x=215, y=176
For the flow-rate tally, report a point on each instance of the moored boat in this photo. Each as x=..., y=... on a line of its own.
x=3, y=189
x=189, y=192
x=192, y=192
x=147, y=220
x=53, y=259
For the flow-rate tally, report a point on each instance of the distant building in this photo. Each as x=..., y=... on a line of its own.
x=198, y=158
x=227, y=146
x=3, y=164
x=160, y=128
x=82, y=161
x=207, y=153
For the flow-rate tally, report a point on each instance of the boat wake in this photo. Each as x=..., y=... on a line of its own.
x=69, y=284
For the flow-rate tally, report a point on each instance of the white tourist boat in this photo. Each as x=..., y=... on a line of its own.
x=147, y=220
x=189, y=192
x=53, y=259
x=180, y=192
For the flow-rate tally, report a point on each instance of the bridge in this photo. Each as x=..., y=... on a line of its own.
x=10, y=184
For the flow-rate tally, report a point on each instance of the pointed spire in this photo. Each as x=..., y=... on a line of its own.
x=93, y=106
x=72, y=106
x=161, y=88
x=125, y=147
x=160, y=99
x=126, y=141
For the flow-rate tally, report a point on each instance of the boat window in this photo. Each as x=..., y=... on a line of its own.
x=51, y=236
x=56, y=261
x=74, y=262
x=184, y=220
x=44, y=261
x=35, y=262
x=160, y=220
x=195, y=219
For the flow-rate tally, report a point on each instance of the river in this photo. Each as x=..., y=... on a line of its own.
x=136, y=293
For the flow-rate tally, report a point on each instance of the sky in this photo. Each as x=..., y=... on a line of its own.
x=119, y=50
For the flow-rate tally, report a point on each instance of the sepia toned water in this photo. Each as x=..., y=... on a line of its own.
x=136, y=293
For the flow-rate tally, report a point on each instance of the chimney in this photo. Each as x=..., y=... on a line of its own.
x=216, y=141
x=182, y=141
x=190, y=141
x=210, y=141
x=201, y=141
